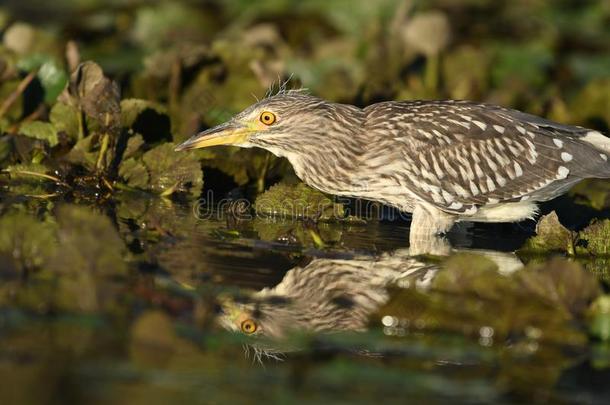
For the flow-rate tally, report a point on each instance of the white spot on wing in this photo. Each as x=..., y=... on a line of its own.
x=460, y=190
x=456, y=205
x=480, y=124
x=499, y=128
x=521, y=129
x=562, y=172
x=596, y=139
x=518, y=170
x=558, y=142
x=470, y=211
x=566, y=157
x=603, y=156
x=448, y=196
x=490, y=184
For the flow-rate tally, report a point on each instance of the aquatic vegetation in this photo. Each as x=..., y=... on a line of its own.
x=113, y=276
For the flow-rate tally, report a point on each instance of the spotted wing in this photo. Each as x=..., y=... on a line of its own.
x=461, y=156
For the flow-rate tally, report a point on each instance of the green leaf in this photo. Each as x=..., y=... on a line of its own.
x=595, y=239
x=29, y=179
x=134, y=144
x=297, y=201
x=81, y=154
x=65, y=119
x=172, y=172
x=132, y=108
x=550, y=236
x=134, y=173
x=44, y=131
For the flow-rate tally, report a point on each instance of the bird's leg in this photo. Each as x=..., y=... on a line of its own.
x=427, y=226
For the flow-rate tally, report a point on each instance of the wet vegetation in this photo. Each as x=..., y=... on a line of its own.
x=130, y=272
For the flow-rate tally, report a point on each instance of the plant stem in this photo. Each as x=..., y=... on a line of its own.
x=10, y=100
x=103, y=149
x=35, y=174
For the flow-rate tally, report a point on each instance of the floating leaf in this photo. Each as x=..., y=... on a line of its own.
x=134, y=173
x=297, y=201
x=44, y=131
x=550, y=236
x=172, y=172
x=30, y=179
x=595, y=239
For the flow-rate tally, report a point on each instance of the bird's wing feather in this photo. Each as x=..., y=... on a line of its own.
x=461, y=156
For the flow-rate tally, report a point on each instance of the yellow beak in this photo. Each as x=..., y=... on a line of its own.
x=228, y=133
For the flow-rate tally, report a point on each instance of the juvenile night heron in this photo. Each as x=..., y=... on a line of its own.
x=443, y=161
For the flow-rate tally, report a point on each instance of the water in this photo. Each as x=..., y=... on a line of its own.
x=218, y=310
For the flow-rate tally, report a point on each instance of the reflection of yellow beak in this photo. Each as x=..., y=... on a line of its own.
x=229, y=133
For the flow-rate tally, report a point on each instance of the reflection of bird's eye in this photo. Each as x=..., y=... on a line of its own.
x=267, y=118
x=248, y=326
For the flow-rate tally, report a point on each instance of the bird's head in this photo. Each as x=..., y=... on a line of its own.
x=275, y=123
x=269, y=316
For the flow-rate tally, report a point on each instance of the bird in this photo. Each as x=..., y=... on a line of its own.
x=326, y=295
x=443, y=161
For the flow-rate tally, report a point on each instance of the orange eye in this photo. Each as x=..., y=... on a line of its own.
x=267, y=117
x=248, y=326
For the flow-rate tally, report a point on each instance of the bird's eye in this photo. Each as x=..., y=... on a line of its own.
x=248, y=326
x=267, y=117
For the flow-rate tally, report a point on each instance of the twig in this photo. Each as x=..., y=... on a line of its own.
x=10, y=100
x=35, y=174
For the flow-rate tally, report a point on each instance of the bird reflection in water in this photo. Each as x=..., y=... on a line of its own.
x=327, y=295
